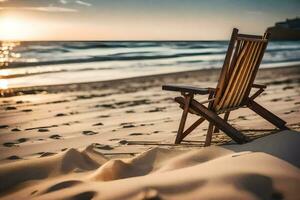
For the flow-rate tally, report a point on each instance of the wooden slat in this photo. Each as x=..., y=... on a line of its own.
x=188, y=89
x=267, y=114
x=222, y=78
x=251, y=39
x=209, y=134
x=250, y=73
x=219, y=122
x=250, y=36
x=241, y=82
x=233, y=76
x=187, y=101
x=264, y=46
x=191, y=128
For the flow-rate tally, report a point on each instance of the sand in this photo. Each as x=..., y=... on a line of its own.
x=80, y=141
x=256, y=170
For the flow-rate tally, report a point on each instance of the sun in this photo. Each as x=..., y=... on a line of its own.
x=13, y=28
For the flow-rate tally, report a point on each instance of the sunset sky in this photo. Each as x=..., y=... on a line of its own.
x=138, y=19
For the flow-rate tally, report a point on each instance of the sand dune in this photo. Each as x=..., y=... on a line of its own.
x=267, y=168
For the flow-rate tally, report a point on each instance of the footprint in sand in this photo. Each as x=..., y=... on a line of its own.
x=276, y=99
x=3, y=126
x=102, y=146
x=98, y=124
x=19, y=102
x=9, y=144
x=62, y=185
x=60, y=115
x=89, y=133
x=103, y=116
x=43, y=130
x=123, y=142
x=134, y=134
x=21, y=140
x=14, y=157
x=127, y=125
x=130, y=111
x=242, y=117
x=10, y=108
x=45, y=154
x=15, y=130
x=84, y=196
x=56, y=137
x=27, y=110
x=155, y=110
x=288, y=88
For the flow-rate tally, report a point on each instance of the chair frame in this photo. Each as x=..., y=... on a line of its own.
x=216, y=123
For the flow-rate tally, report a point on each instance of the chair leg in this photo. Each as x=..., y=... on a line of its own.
x=187, y=101
x=226, y=116
x=213, y=117
x=209, y=134
x=266, y=114
x=191, y=128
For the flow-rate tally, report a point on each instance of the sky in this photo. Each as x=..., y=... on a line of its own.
x=139, y=19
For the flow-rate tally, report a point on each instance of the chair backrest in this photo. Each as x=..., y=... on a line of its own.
x=241, y=63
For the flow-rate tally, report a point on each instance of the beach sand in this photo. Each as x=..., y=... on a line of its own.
x=70, y=141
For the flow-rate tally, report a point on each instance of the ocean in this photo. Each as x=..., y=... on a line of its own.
x=24, y=64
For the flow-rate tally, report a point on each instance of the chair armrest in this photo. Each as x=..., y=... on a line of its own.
x=259, y=86
x=188, y=89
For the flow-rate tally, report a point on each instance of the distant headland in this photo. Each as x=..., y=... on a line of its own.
x=287, y=30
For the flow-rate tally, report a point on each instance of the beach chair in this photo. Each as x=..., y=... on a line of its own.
x=244, y=55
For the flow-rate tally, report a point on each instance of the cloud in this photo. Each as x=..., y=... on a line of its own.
x=83, y=3
x=41, y=9
x=44, y=6
x=63, y=1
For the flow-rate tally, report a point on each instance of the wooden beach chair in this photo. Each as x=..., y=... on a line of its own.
x=236, y=80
